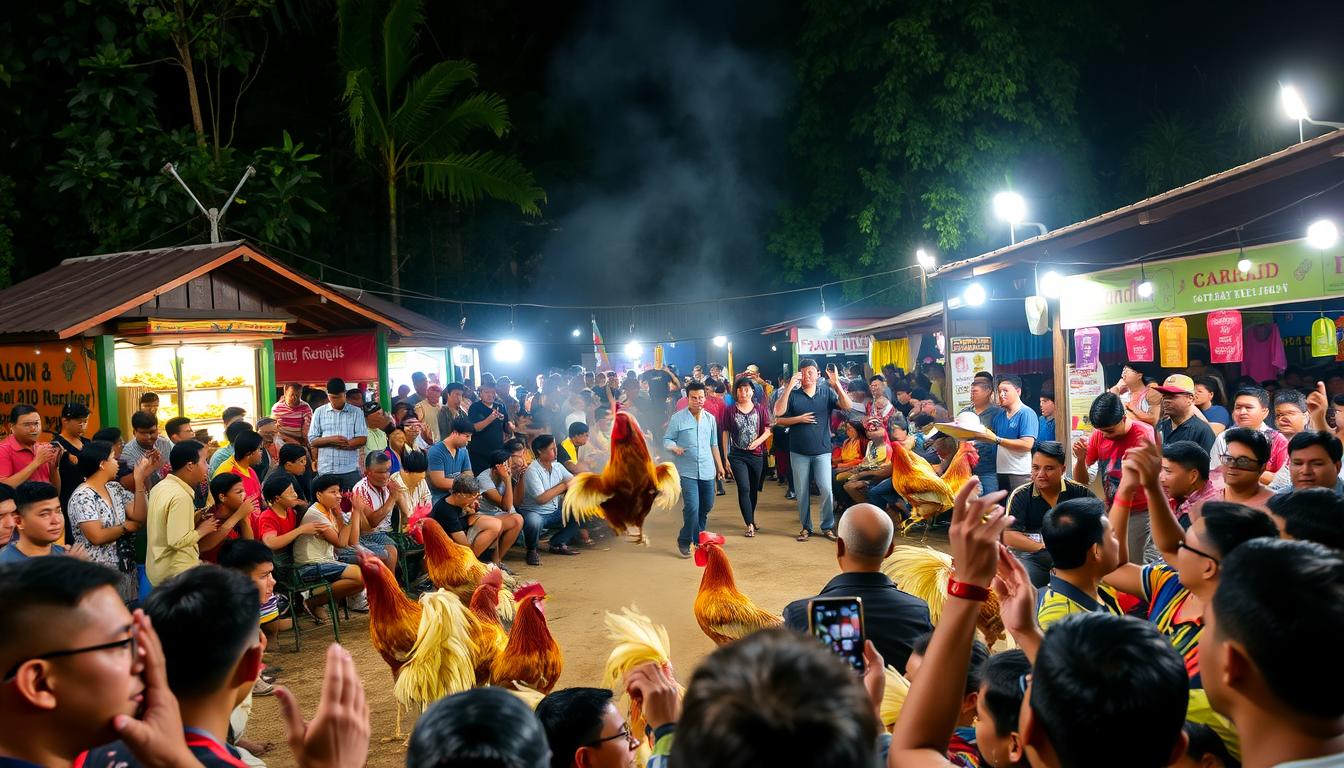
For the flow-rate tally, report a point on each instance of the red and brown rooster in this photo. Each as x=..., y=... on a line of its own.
x=532, y=657
x=723, y=612
x=456, y=568
x=630, y=486
x=393, y=617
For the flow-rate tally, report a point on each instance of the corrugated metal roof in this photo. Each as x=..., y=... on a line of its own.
x=81, y=293
x=1301, y=171
x=915, y=316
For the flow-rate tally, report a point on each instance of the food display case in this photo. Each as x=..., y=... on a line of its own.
x=194, y=380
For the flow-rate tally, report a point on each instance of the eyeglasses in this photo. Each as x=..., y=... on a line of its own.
x=1183, y=545
x=1239, y=462
x=131, y=641
x=623, y=733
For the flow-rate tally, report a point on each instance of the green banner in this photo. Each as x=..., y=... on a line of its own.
x=1281, y=273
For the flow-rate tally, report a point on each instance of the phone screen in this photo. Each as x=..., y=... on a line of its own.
x=838, y=623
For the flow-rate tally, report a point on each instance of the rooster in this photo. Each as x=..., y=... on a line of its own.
x=959, y=469
x=919, y=484
x=724, y=613
x=440, y=661
x=629, y=487
x=923, y=572
x=532, y=657
x=488, y=634
x=638, y=641
x=394, y=618
x=454, y=567
x=893, y=696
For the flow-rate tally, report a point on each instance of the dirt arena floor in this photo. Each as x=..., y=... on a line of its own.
x=772, y=568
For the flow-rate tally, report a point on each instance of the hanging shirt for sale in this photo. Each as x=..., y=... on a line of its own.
x=1263, y=358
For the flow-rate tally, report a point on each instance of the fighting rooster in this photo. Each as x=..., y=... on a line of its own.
x=455, y=568
x=440, y=661
x=724, y=613
x=532, y=657
x=919, y=484
x=487, y=633
x=893, y=696
x=630, y=486
x=638, y=642
x=394, y=618
x=959, y=470
x=923, y=572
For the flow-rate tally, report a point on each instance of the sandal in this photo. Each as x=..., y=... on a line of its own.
x=803, y=535
x=751, y=531
x=829, y=535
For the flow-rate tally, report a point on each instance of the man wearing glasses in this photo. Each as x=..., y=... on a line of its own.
x=1245, y=455
x=1178, y=589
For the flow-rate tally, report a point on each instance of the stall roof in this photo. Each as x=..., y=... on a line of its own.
x=844, y=318
x=915, y=317
x=423, y=329
x=222, y=279
x=1263, y=198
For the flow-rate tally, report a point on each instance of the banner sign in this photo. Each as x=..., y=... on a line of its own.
x=1086, y=348
x=307, y=360
x=814, y=342
x=156, y=325
x=1225, y=336
x=1084, y=387
x=968, y=355
x=46, y=376
x=1280, y=273
x=1173, y=340
x=1139, y=341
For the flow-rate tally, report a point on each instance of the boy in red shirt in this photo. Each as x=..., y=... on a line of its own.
x=1115, y=432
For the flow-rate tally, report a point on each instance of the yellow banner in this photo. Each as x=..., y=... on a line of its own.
x=162, y=326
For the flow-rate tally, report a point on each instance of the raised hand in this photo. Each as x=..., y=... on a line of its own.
x=338, y=735
x=655, y=691
x=978, y=522
x=156, y=737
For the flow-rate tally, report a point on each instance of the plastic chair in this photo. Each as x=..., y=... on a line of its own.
x=292, y=585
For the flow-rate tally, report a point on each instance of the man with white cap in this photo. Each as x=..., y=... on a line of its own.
x=1181, y=420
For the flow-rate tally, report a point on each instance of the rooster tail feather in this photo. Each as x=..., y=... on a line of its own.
x=893, y=698
x=922, y=572
x=668, y=482
x=638, y=641
x=530, y=696
x=583, y=500
x=440, y=662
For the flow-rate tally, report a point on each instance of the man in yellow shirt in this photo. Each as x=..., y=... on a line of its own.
x=1084, y=548
x=172, y=532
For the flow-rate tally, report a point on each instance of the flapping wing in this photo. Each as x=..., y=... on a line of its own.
x=668, y=482
x=583, y=500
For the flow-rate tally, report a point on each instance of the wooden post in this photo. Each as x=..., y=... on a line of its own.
x=105, y=360
x=1063, y=421
x=266, y=378
x=384, y=378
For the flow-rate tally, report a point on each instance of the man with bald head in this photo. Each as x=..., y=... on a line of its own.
x=893, y=619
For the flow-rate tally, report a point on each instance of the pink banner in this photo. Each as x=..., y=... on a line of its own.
x=1139, y=341
x=1225, y=336
x=1086, y=348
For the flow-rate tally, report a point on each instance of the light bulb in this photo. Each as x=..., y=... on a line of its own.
x=1146, y=289
x=509, y=351
x=576, y=333
x=720, y=340
x=1244, y=266
x=974, y=295
x=824, y=323
x=633, y=349
x=1010, y=207
x=774, y=348
x=1293, y=104
x=925, y=259
x=1322, y=234
x=1052, y=284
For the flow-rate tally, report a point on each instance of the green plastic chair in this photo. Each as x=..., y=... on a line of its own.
x=292, y=585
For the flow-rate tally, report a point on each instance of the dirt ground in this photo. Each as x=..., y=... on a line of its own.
x=772, y=568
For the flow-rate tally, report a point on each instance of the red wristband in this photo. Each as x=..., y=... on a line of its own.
x=966, y=591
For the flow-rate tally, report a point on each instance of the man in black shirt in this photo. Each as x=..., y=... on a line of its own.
x=1181, y=419
x=805, y=408
x=491, y=423
x=460, y=515
x=1029, y=502
x=892, y=619
x=662, y=383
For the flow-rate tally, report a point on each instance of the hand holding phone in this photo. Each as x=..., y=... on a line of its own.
x=838, y=623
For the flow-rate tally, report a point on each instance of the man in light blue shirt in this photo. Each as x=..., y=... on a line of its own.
x=544, y=484
x=338, y=432
x=692, y=438
x=449, y=458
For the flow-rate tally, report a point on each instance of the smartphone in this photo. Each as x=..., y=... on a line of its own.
x=838, y=623
x=346, y=504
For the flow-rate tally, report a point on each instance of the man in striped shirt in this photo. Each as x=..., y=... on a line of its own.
x=294, y=415
x=1084, y=549
x=1178, y=589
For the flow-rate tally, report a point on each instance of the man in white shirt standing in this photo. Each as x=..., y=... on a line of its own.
x=338, y=432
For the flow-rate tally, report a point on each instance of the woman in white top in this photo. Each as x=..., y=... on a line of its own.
x=102, y=512
x=1141, y=401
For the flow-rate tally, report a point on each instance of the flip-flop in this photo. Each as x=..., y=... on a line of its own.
x=803, y=535
x=751, y=532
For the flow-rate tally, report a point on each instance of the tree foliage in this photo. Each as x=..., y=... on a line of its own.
x=911, y=115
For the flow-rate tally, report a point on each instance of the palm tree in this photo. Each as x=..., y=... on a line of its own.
x=416, y=127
